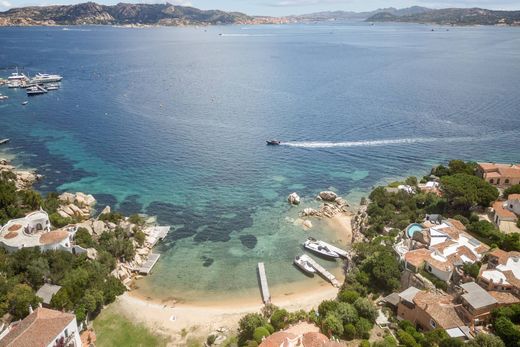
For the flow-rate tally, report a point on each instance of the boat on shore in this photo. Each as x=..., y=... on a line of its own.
x=273, y=142
x=317, y=247
x=302, y=262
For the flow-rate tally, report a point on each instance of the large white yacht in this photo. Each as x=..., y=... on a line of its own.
x=46, y=78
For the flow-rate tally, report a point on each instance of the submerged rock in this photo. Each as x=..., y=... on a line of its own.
x=307, y=224
x=309, y=212
x=293, y=199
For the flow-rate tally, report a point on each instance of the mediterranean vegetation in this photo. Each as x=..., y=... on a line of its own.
x=374, y=270
x=86, y=284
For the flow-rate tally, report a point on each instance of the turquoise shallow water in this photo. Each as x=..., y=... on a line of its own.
x=172, y=121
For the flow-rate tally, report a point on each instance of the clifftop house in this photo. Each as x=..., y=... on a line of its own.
x=440, y=246
x=502, y=274
x=34, y=230
x=501, y=175
x=506, y=213
x=43, y=328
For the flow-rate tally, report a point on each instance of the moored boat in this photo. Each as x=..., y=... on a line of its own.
x=273, y=142
x=315, y=246
x=46, y=78
x=302, y=262
x=35, y=90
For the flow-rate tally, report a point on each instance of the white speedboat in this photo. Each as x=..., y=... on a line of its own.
x=25, y=103
x=52, y=86
x=46, y=78
x=3, y=97
x=317, y=247
x=302, y=262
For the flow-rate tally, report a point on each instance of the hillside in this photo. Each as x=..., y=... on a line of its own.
x=455, y=16
x=349, y=15
x=121, y=14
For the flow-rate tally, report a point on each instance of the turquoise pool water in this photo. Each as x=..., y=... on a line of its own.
x=413, y=228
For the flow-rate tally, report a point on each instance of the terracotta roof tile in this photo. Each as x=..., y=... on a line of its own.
x=440, y=307
x=503, y=212
x=513, y=197
x=504, y=297
x=277, y=339
x=38, y=329
x=53, y=237
x=314, y=340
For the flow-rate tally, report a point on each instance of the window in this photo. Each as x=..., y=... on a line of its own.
x=491, y=181
x=507, y=180
x=433, y=324
x=66, y=332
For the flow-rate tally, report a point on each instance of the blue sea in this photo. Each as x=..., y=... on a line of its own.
x=173, y=121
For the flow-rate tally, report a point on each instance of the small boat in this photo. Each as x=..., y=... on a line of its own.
x=36, y=90
x=4, y=141
x=25, y=103
x=302, y=262
x=46, y=78
x=317, y=247
x=3, y=97
x=52, y=86
x=273, y=142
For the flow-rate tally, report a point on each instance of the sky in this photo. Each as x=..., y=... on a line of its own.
x=288, y=7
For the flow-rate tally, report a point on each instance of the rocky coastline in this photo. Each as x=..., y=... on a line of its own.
x=81, y=208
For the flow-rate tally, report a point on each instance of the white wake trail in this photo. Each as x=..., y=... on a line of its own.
x=317, y=144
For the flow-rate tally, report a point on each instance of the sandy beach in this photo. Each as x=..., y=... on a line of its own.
x=170, y=318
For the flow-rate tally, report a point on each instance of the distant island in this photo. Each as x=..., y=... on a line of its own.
x=452, y=16
x=124, y=14
x=91, y=13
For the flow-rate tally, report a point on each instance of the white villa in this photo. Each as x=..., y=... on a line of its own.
x=34, y=230
x=440, y=248
x=506, y=213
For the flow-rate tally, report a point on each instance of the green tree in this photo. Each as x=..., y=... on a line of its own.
x=434, y=337
x=84, y=239
x=451, y=342
x=32, y=199
x=366, y=309
x=348, y=296
x=349, y=331
x=486, y=340
x=347, y=313
x=514, y=189
x=332, y=325
x=363, y=327
x=61, y=300
x=260, y=333
x=19, y=300
x=406, y=339
x=507, y=331
x=464, y=191
x=327, y=306
x=247, y=326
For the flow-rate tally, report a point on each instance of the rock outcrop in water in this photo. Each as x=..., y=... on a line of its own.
x=124, y=14
x=23, y=179
x=293, y=199
x=327, y=196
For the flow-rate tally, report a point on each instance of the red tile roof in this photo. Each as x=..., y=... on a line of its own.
x=513, y=197
x=53, y=237
x=38, y=329
x=439, y=307
x=501, y=211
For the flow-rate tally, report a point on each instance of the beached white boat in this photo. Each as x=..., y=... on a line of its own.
x=302, y=262
x=317, y=247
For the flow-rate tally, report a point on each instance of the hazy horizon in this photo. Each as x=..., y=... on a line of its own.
x=288, y=7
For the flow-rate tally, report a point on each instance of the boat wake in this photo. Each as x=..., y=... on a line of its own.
x=368, y=143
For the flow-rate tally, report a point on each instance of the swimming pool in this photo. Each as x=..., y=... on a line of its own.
x=413, y=228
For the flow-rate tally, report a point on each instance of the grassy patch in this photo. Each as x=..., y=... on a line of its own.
x=113, y=329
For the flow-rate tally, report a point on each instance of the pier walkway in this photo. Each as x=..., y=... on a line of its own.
x=330, y=277
x=341, y=252
x=146, y=268
x=266, y=296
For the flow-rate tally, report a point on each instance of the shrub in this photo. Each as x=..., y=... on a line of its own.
x=461, y=219
x=327, y=306
x=349, y=331
x=363, y=327
x=347, y=313
x=279, y=319
x=260, y=333
x=269, y=328
x=364, y=343
x=84, y=239
x=366, y=309
x=406, y=339
x=514, y=189
x=348, y=296
x=486, y=340
x=332, y=326
x=247, y=326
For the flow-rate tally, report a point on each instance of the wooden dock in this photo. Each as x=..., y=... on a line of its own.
x=327, y=275
x=156, y=234
x=146, y=268
x=266, y=296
